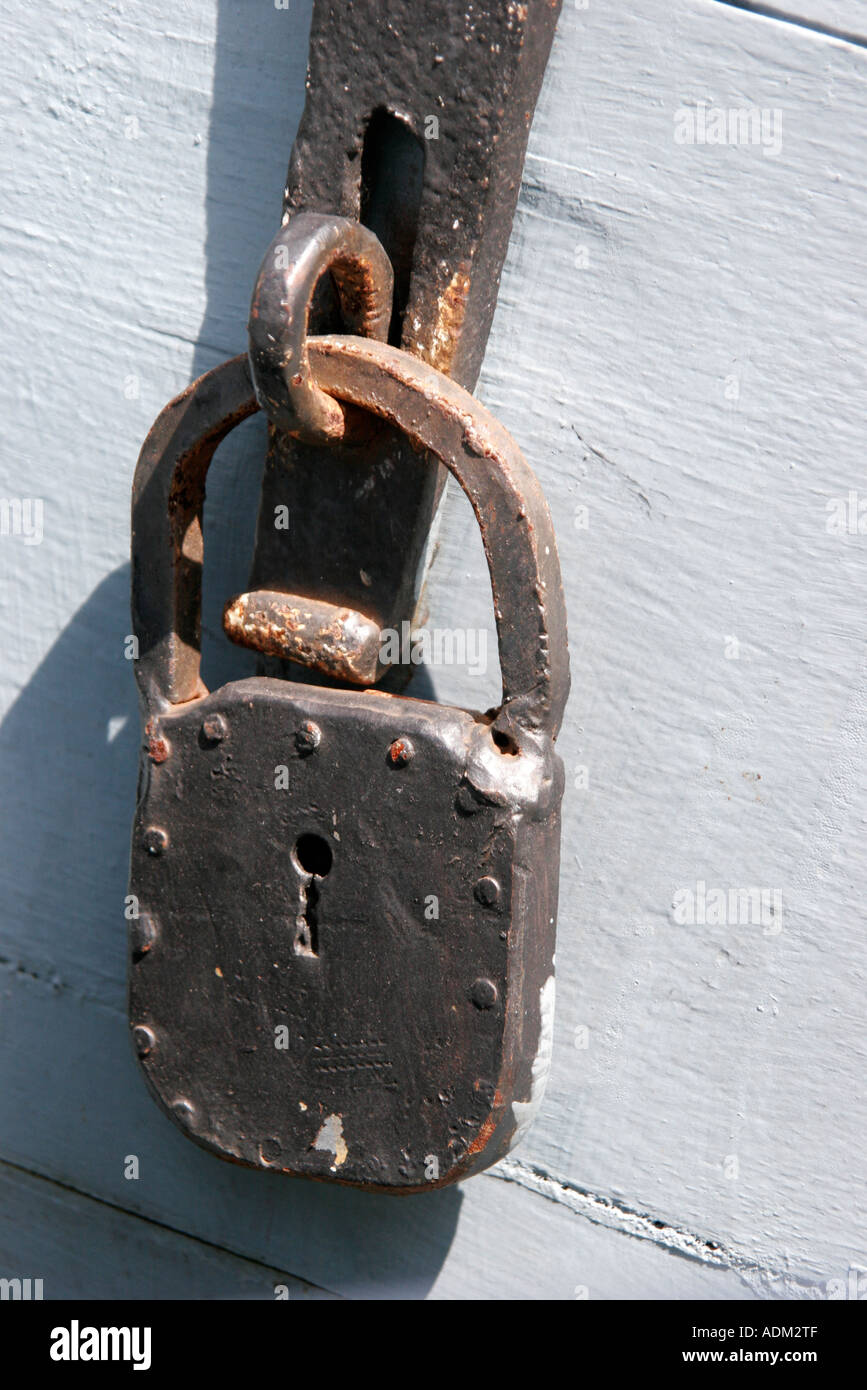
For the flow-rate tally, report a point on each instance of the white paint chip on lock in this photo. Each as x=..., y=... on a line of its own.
x=525, y=1111
x=330, y=1140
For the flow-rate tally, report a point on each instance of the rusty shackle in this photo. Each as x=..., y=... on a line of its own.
x=437, y=415
x=307, y=246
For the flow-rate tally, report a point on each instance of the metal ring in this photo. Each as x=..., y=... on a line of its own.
x=439, y=416
x=307, y=246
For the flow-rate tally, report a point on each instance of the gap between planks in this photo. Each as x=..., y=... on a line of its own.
x=813, y=26
x=604, y=1211
x=599, y=1210
x=56, y=1184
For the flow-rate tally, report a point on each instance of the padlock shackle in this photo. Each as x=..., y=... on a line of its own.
x=504, y=492
x=168, y=498
x=437, y=415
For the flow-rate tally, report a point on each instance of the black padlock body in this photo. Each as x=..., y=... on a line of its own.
x=390, y=1025
x=395, y=1031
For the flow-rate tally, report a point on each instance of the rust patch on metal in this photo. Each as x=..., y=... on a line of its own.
x=158, y=747
x=451, y=311
x=482, y=1138
x=339, y=641
x=401, y=752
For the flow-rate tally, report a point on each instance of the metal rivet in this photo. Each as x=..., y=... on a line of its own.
x=185, y=1110
x=155, y=840
x=144, y=1039
x=270, y=1150
x=487, y=891
x=214, y=728
x=484, y=994
x=308, y=738
x=401, y=752
x=143, y=934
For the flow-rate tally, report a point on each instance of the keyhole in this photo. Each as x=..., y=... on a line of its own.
x=314, y=855
x=314, y=858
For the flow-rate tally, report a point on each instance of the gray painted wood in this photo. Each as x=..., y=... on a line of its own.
x=478, y=1241
x=81, y=1248
x=834, y=17
x=678, y=348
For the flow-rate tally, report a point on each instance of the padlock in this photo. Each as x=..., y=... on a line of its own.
x=342, y=965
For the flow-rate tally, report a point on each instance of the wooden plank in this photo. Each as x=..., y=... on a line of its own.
x=844, y=18
x=81, y=1248
x=678, y=348
x=143, y=177
x=696, y=315
x=483, y=1240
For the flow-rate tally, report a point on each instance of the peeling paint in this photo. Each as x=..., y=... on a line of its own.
x=525, y=1111
x=330, y=1140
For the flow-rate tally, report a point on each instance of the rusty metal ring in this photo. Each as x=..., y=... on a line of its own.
x=437, y=415
x=308, y=245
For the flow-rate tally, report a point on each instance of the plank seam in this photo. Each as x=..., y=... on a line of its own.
x=56, y=985
x=614, y=1216
x=813, y=26
x=598, y=1209
x=21, y=1168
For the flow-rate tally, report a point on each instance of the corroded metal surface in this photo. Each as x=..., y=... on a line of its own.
x=342, y=964
x=340, y=642
x=350, y=897
x=415, y=125
x=303, y=250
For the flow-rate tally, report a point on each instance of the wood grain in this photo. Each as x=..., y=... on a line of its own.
x=81, y=1248
x=679, y=348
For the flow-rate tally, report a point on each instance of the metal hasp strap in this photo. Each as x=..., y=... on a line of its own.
x=416, y=125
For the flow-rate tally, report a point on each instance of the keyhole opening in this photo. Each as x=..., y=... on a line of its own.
x=314, y=857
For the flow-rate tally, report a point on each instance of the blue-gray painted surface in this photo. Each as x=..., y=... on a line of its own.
x=679, y=349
